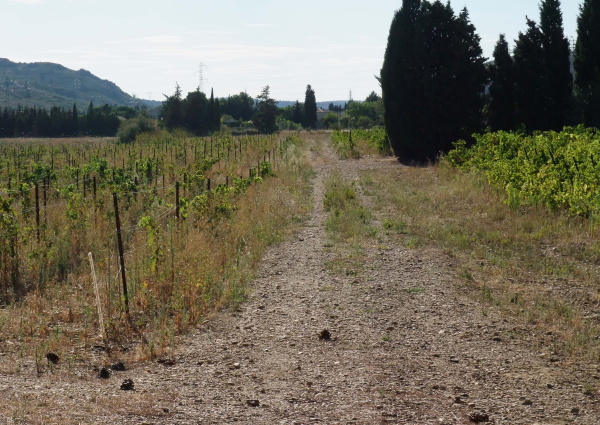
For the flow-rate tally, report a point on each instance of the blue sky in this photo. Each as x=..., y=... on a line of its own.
x=146, y=47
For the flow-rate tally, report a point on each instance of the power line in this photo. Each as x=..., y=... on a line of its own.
x=201, y=78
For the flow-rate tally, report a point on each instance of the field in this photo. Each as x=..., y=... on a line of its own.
x=195, y=215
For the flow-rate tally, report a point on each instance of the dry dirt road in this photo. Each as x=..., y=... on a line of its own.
x=409, y=344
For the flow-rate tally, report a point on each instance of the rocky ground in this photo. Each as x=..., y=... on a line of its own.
x=401, y=342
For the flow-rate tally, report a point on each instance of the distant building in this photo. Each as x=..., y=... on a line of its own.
x=322, y=112
x=154, y=112
x=231, y=123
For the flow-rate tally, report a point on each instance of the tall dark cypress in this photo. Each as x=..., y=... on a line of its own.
x=467, y=81
x=402, y=81
x=298, y=113
x=501, y=109
x=432, y=79
x=587, y=62
x=74, y=121
x=530, y=79
x=557, y=66
x=216, y=123
x=310, y=108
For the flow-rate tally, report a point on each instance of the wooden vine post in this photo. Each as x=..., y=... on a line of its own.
x=98, y=302
x=121, y=255
x=177, y=200
x=37, y=210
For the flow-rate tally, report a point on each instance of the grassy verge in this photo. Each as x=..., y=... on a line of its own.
x=348, y=225
x=539, y=265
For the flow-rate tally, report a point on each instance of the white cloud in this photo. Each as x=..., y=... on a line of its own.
x=210, y=32
x=259, y=26
x=159, y=39
x=28, y=1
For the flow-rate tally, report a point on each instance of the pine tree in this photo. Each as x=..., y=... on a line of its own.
x=530, y=79
x=195, y=110
x=433, y=79
x=239, y=106
x=557, y=66
x=171, y=111
x=310, y=108
x=587, y=62
x=266, y=113
x=372, y=97
x=501, y=109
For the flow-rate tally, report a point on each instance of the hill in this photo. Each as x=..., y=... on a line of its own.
x=45, y=84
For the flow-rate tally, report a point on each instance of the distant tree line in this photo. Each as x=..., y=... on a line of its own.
x=60, y=122
x=201, y=115
x=195, y=113
x=437, y=87
x=239, y=106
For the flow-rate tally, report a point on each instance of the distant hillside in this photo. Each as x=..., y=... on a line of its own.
x=46, y=85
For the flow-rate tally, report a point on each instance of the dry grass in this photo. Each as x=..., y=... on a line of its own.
x=541, y=266
x=31, y=409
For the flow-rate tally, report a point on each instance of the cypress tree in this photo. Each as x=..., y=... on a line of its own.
x=530, y=79
x=310, y=108
x=501, y=109
x=557, y=65
x=74, y=121
x=467, y=81
x=298, y=113
x=432, y=79
x=90, y=119
x=210, y=113
x=216, y=125
x=402, y=82
x=587, y=62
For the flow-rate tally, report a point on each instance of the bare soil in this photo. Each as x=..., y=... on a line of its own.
x=402, y=341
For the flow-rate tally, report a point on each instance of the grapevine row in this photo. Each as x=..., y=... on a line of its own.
x=560, y=170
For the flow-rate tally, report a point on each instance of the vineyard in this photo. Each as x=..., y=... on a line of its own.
x=556, y=170
x=350, y=144
x=169, y=227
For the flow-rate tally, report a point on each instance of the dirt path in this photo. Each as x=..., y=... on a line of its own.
x=408, y=345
